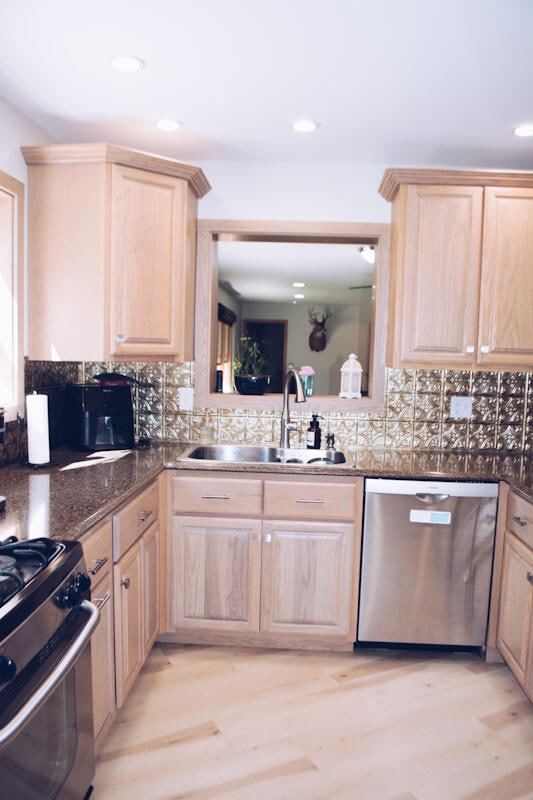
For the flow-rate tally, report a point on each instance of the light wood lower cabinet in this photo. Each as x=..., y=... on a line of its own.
x=136, y=585
x=306, y=585
x=216, y=566
x=269, y=581
x=515, y=619
x=99, y=563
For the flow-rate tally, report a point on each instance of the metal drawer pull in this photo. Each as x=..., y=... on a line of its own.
x=143, y=515
x=530, y=577
x=100, y=602
x=125, y=582
x=268, y=538
x=306, y=500
x=214, y=497
x=519, y=521
x=99, y=562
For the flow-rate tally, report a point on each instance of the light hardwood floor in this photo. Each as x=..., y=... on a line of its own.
x=244, y=724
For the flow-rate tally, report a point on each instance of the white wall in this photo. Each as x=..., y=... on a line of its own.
x=294, y=191
x=17, y=130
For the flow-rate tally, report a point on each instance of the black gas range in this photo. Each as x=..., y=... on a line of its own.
x=46, y=621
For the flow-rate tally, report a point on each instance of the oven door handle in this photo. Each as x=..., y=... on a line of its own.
x=50, y=683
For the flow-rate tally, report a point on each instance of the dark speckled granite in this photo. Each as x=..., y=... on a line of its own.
x=65, y=505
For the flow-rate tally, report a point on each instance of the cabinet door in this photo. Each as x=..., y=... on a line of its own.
x=152, y=279
x=515, y=620
x=103, y=659
x=506, y=320
x=306, y=585
x=129, y=620
x=436, y=251
x=151, y=586
x=214, y=573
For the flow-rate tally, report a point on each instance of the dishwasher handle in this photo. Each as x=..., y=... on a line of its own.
x=431, y=498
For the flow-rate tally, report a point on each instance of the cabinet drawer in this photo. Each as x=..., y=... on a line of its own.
x=98, y=551
x=208, y=495
x=299, y=500
x=520, y=518
x=134, y=518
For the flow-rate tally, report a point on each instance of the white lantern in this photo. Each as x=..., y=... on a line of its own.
x=351, y=372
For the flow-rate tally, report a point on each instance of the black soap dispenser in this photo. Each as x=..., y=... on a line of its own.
x=314, y=434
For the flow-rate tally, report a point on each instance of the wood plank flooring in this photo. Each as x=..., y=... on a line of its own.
x=236, y=724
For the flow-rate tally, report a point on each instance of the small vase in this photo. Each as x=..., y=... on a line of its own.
x=308, y=383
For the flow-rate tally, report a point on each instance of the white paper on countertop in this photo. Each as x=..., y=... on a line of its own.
x=100, y=457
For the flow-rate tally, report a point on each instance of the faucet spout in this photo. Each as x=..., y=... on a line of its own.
x=286, y=425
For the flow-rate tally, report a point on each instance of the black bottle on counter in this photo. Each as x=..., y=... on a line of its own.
x=314, y=434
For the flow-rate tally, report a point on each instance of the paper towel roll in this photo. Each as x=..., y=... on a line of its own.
x=37, y=418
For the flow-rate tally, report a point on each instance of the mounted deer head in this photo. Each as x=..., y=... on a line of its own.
x=317, y=337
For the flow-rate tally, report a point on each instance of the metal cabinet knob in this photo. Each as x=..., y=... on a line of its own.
x=125, y=582
x=469, y=348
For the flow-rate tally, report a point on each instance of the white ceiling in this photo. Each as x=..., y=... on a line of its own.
x=398, y=82
x=395, y=82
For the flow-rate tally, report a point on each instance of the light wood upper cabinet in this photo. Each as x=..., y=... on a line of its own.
x=505, y=314
x=112, y=251
x=461, y=269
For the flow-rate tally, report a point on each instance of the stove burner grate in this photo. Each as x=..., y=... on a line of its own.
x=6, y=562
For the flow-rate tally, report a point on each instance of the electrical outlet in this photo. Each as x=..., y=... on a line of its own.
x=460, y=407
x=186, y=398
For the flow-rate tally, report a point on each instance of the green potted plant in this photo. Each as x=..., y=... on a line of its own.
x=249, y=367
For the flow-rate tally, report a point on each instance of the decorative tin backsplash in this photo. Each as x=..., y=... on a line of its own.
x=417, y=409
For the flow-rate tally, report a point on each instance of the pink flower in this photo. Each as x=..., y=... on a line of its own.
x=307, y=370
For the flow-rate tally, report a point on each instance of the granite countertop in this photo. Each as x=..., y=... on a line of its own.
x=65, y=504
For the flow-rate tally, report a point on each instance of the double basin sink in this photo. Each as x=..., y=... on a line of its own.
x=261, y=454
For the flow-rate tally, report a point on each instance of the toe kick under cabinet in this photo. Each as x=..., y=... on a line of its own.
x=264, y=560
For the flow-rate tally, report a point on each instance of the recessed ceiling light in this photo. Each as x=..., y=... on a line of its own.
x=298, y=285
x=299, y=296
x=127, y=63
x=304, y=125
x=168, y=124
x=524, y=130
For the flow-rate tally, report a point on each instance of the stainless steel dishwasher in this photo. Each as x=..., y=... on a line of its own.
x=427, y=561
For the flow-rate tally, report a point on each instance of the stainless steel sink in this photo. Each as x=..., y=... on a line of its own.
x=261, y=454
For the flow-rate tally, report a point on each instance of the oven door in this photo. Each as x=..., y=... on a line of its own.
x=46, y=748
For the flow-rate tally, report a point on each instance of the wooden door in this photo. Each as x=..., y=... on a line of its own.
x=129, y=619
x=272, y=335
x=150, y=551
x=152, y=279
x=214, y=578
x=436, y=251
x=306, y=585
x=515, y=620
x=506, y=317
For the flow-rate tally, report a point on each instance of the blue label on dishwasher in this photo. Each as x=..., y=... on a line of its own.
x=431, y=517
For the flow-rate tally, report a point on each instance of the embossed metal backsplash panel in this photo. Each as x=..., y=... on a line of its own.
x=417, y=409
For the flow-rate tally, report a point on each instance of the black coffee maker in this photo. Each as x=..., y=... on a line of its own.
x=99, y=416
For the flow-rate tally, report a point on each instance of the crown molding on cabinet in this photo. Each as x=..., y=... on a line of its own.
x=115, y=154
x=394, y=177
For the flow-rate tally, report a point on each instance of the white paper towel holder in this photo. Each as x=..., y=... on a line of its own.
x=37, y=430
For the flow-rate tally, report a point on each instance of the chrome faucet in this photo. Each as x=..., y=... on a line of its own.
x=286, y=425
